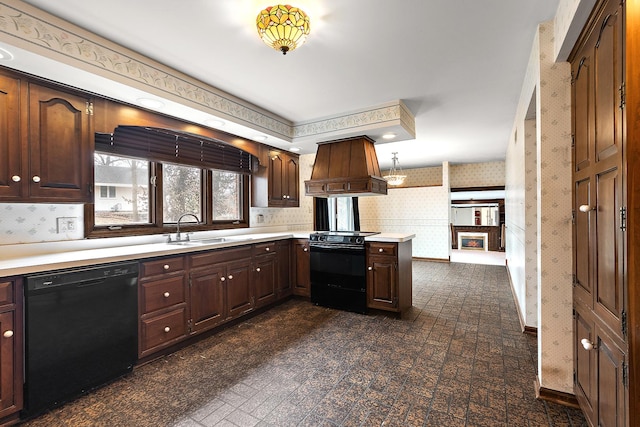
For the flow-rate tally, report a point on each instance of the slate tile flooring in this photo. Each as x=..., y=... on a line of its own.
x=457, y=358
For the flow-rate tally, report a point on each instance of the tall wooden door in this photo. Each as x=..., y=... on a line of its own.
x=601, y=349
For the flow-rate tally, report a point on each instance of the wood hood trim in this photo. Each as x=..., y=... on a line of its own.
x=346, y=167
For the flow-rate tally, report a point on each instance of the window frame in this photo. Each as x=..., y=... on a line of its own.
x=156, y=223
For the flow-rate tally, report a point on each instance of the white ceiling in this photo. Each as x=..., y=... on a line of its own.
x=458, y=65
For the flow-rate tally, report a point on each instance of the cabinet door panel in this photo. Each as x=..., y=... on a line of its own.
x=302, y=265
x=609, y=292
x=584, y=364
x=583, y=128
x=59, y=139
x=207, y=298
x=11, y=173
x=238, y=288
x=276, y=184
x=265, y=280
x=583, y=242
x=292, y=178
x=7, y=349
x=611, y=392
x=381, y=282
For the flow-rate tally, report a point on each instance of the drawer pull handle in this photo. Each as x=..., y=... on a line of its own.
x=267, y=249
x=166, y=294
x=305, y=250
x=15, y=178
x=222, y=279
x=8, y=334
x=258, y=269
x=230, y=276
x=166, y=266
x=370, y=268
x=36, y=178
x=380, y=250
x=588, y=345
x=167, y=329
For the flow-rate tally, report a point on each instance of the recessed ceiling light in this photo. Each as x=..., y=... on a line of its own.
x=260, y=138
x=389, y=136
x=294, y=149
x=151, y=103
x=214, y=123
x=5, y=55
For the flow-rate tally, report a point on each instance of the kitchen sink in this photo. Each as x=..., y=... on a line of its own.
x=209, y=241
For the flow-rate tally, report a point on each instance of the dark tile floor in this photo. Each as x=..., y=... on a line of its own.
x=457, y=358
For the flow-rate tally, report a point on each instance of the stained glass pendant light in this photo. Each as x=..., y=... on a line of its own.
x=283, y=27
x=395, y=176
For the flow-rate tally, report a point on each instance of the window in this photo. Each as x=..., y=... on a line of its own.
x=107, y=192
x=124, y=190
x=143, y=185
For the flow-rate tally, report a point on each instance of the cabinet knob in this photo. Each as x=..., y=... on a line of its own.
x=370, y=268
x=305, y=250
x=230, y=276
x=267, y=249
x=380, y=250
x=15, y=178
x=258, y=269
x=8, y=334
x=167, y=329
x=586, y=208
x=36, y=178
x=166, y=266
x=588, y=345
x=222, y=279
x=166, y=294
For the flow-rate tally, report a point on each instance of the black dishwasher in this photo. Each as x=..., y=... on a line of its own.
x=81, y=331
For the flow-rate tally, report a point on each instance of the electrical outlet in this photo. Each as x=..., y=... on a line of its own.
x=66, y=224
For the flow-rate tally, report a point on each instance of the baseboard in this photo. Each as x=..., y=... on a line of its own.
x=530, y=330
x=523, y=326
x=430, y=259
x=559, y=397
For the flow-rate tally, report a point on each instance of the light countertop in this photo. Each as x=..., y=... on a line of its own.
x=68, y=255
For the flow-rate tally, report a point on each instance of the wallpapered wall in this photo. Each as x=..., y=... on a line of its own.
x=477, y=174
x=539, y=211
x=33, y=223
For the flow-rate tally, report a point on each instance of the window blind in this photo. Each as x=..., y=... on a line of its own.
x=173, y=146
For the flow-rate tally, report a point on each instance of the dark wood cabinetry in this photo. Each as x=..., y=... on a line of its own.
x=283, y=285
x=605, y=306
x=301, y=267
x=389, y=276
x=45, y=143
x=162, y=304
x=276, y=183
x=265, y=273
x=10, y=348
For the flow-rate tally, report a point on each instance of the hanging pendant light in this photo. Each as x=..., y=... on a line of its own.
x=283, y=27
x=395, y=176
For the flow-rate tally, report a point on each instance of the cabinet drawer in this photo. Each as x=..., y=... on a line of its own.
x=378, y=248
x=162, y=293
x=163, y=330
x=162, y=266
x=264, y=248
x=206, y=259
x=6, y=292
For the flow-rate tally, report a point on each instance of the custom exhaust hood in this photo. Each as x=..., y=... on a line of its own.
x=346, y=167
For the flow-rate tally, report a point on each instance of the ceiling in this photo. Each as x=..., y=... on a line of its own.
x=458, y=65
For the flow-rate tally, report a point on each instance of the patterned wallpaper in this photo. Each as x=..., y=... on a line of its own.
x=420, y=177
x=423, y=211
x=539, y=211
x=34, y=223
x=477, y=174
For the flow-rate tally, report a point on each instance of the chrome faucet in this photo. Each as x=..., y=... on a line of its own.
x=178, y=239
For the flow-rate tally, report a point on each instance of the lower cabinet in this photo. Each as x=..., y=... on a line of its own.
x=11, y=352
x=283, y=280
x=389, y=275
x=162, y=302
x=301, y=267
x=265, y=272
x=601, y=375
x=207, y=297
